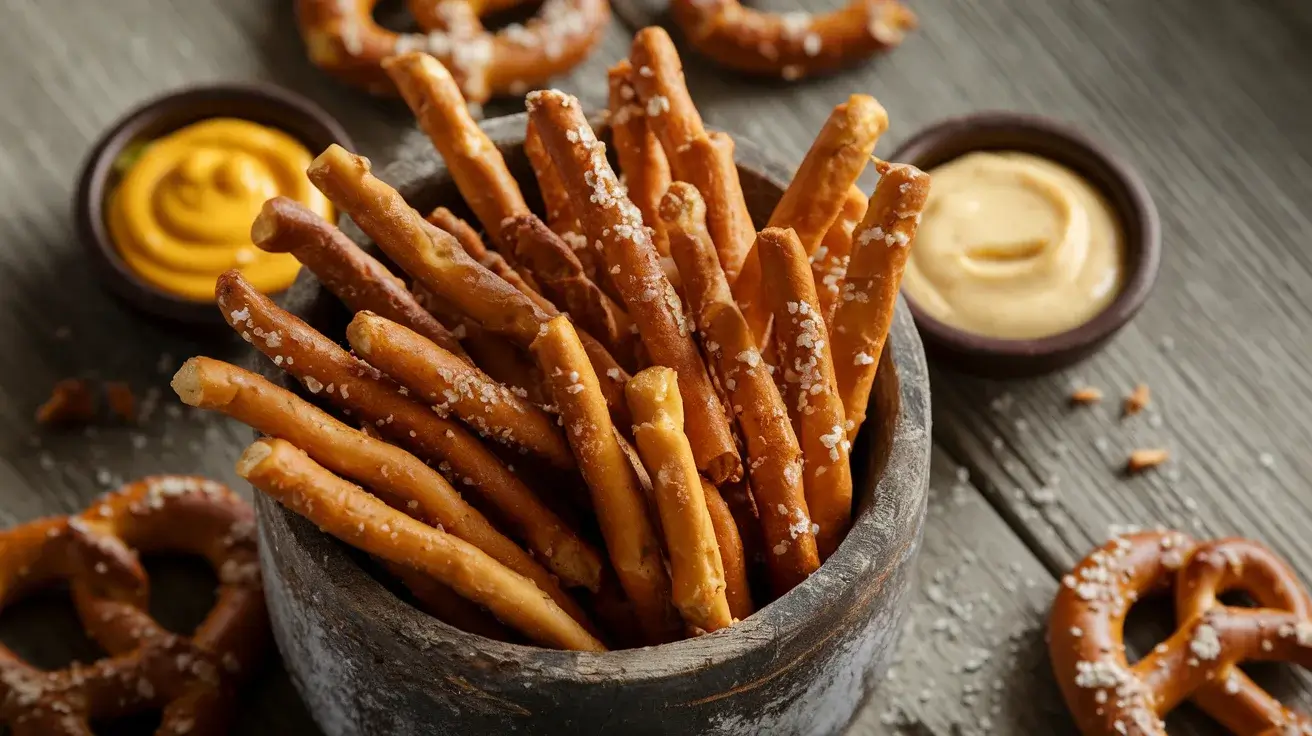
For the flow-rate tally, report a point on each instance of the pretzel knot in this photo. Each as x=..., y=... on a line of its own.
x=192, y=680
x=344, y=39
x=1200, y=661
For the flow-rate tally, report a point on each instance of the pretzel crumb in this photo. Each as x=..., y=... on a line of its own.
x=1086, y=395
x=122, y=402
x=1137, y=400
x=71, y=403
x=1145, y=458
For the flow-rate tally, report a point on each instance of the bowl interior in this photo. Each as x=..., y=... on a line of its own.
x=1115, y=179
x=269, y=106
x=895, y=435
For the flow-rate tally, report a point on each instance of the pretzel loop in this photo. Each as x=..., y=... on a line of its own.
x=343, y=39
x=192, y=679
x=1200, y=661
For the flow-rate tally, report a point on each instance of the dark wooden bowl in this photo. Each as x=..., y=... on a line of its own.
x=1113, y=177
x=260, y=103
x=366, y=662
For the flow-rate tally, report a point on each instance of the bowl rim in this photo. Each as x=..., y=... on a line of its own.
x=177, y=107
x=894, y=503
x=1107, y=171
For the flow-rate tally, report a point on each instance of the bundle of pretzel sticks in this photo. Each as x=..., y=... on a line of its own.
x=642, y=340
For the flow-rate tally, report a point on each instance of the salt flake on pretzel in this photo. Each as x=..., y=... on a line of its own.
x=344, y=40
x=792, y=45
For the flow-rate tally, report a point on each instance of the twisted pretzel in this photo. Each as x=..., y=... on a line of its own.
x=1200, y=661
x=792, y=45
x=343, y=39
x=193, y=680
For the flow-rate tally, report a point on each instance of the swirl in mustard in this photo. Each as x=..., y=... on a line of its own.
x=182, y=213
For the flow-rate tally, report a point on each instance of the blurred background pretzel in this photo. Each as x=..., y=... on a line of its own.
x=343, y=39
x=192, y=679
x=1200, y=661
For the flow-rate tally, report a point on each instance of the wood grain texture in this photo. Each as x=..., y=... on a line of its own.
x=1207, y=97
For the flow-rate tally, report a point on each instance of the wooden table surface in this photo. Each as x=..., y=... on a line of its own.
x=1208, y=97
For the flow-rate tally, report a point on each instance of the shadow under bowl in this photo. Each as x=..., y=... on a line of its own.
x=260, y=103
x=366, y=662
x=993, y=357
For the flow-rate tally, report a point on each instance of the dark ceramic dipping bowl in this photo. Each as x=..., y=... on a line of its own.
x=265, y=104
x=1118, y=182
x=366, y=662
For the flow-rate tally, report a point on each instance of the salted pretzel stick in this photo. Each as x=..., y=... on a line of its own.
x=641, y=158
x=815, y=196
x=695, y=566
x=475, y=163
x=737, y=591
x=470, y=240
x=454, y=387
x=635, y=550
x=358, y=279
x=810, y=390
x=829, y=262
x=565, y=282
x=693, y=156
x=774, y=457
x=330, y=372
x=874, y=275
x=446, y=605
x=560, y=211
x=437, y=261
x=384, y=468
x=277, y=468
x=627, y=251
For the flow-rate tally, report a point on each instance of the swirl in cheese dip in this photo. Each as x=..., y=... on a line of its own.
x=1014, y=246
x=182, y=213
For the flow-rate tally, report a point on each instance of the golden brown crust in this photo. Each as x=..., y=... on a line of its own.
x=564, y=280
x=694, y=156
x=609, y=217
x=285, y=473
x=809, y=387
x=635, y=550
x=642, y=160
x=737, y=589
x=453, y=387
x=774, y=457
x=792, y=45
x=388, y=470
x=353, y=276
x=344, y=40
x=829, y=262
x=870, y=287
x=473, y=160
x=330, y=372
x=446, y=605
x=695, y=565
x=191, y=682
x=815, y=196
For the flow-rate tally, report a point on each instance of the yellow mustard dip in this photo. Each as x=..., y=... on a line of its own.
x=182, y=213
x=1014, y=246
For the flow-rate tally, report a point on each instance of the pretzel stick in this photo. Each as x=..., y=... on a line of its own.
x=641, y=158
x=434, y=375
x=446, y=605
x=829, y=263
x=560, y=211
x=279, y=469
x=475, y=164
x=815, y=196
x=436, y=260
x=694, y=157
x=810, y=390
x=874, y=274
x=564, y=280
x=386, y=469
x=695, y=565
x=470, y=240
x=358, y=279
x=329, y=371
x=774, y=458
x=635, y=550
x=737, y=591
x=609, y=217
